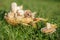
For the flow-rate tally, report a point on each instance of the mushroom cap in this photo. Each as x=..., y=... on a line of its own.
x=28, y=13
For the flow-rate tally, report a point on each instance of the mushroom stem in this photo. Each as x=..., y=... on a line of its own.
x=14, y=7
x=48, y=25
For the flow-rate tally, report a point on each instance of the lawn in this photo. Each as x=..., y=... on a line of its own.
x=49, y=9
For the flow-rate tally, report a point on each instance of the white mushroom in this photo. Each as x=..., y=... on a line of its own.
x=33, y=14
x=14, y=7
x=20, y=10
x=48, y=25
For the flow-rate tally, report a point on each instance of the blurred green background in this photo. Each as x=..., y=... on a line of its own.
x=45, y=8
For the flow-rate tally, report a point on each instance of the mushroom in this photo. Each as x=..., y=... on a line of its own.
x=14, y=7
x=50, y=28
x=20, y=10
x=28, y=13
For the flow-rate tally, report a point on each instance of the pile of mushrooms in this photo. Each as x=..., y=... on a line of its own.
x=19, y=16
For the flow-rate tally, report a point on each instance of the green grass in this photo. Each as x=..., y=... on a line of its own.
x=46, y=9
